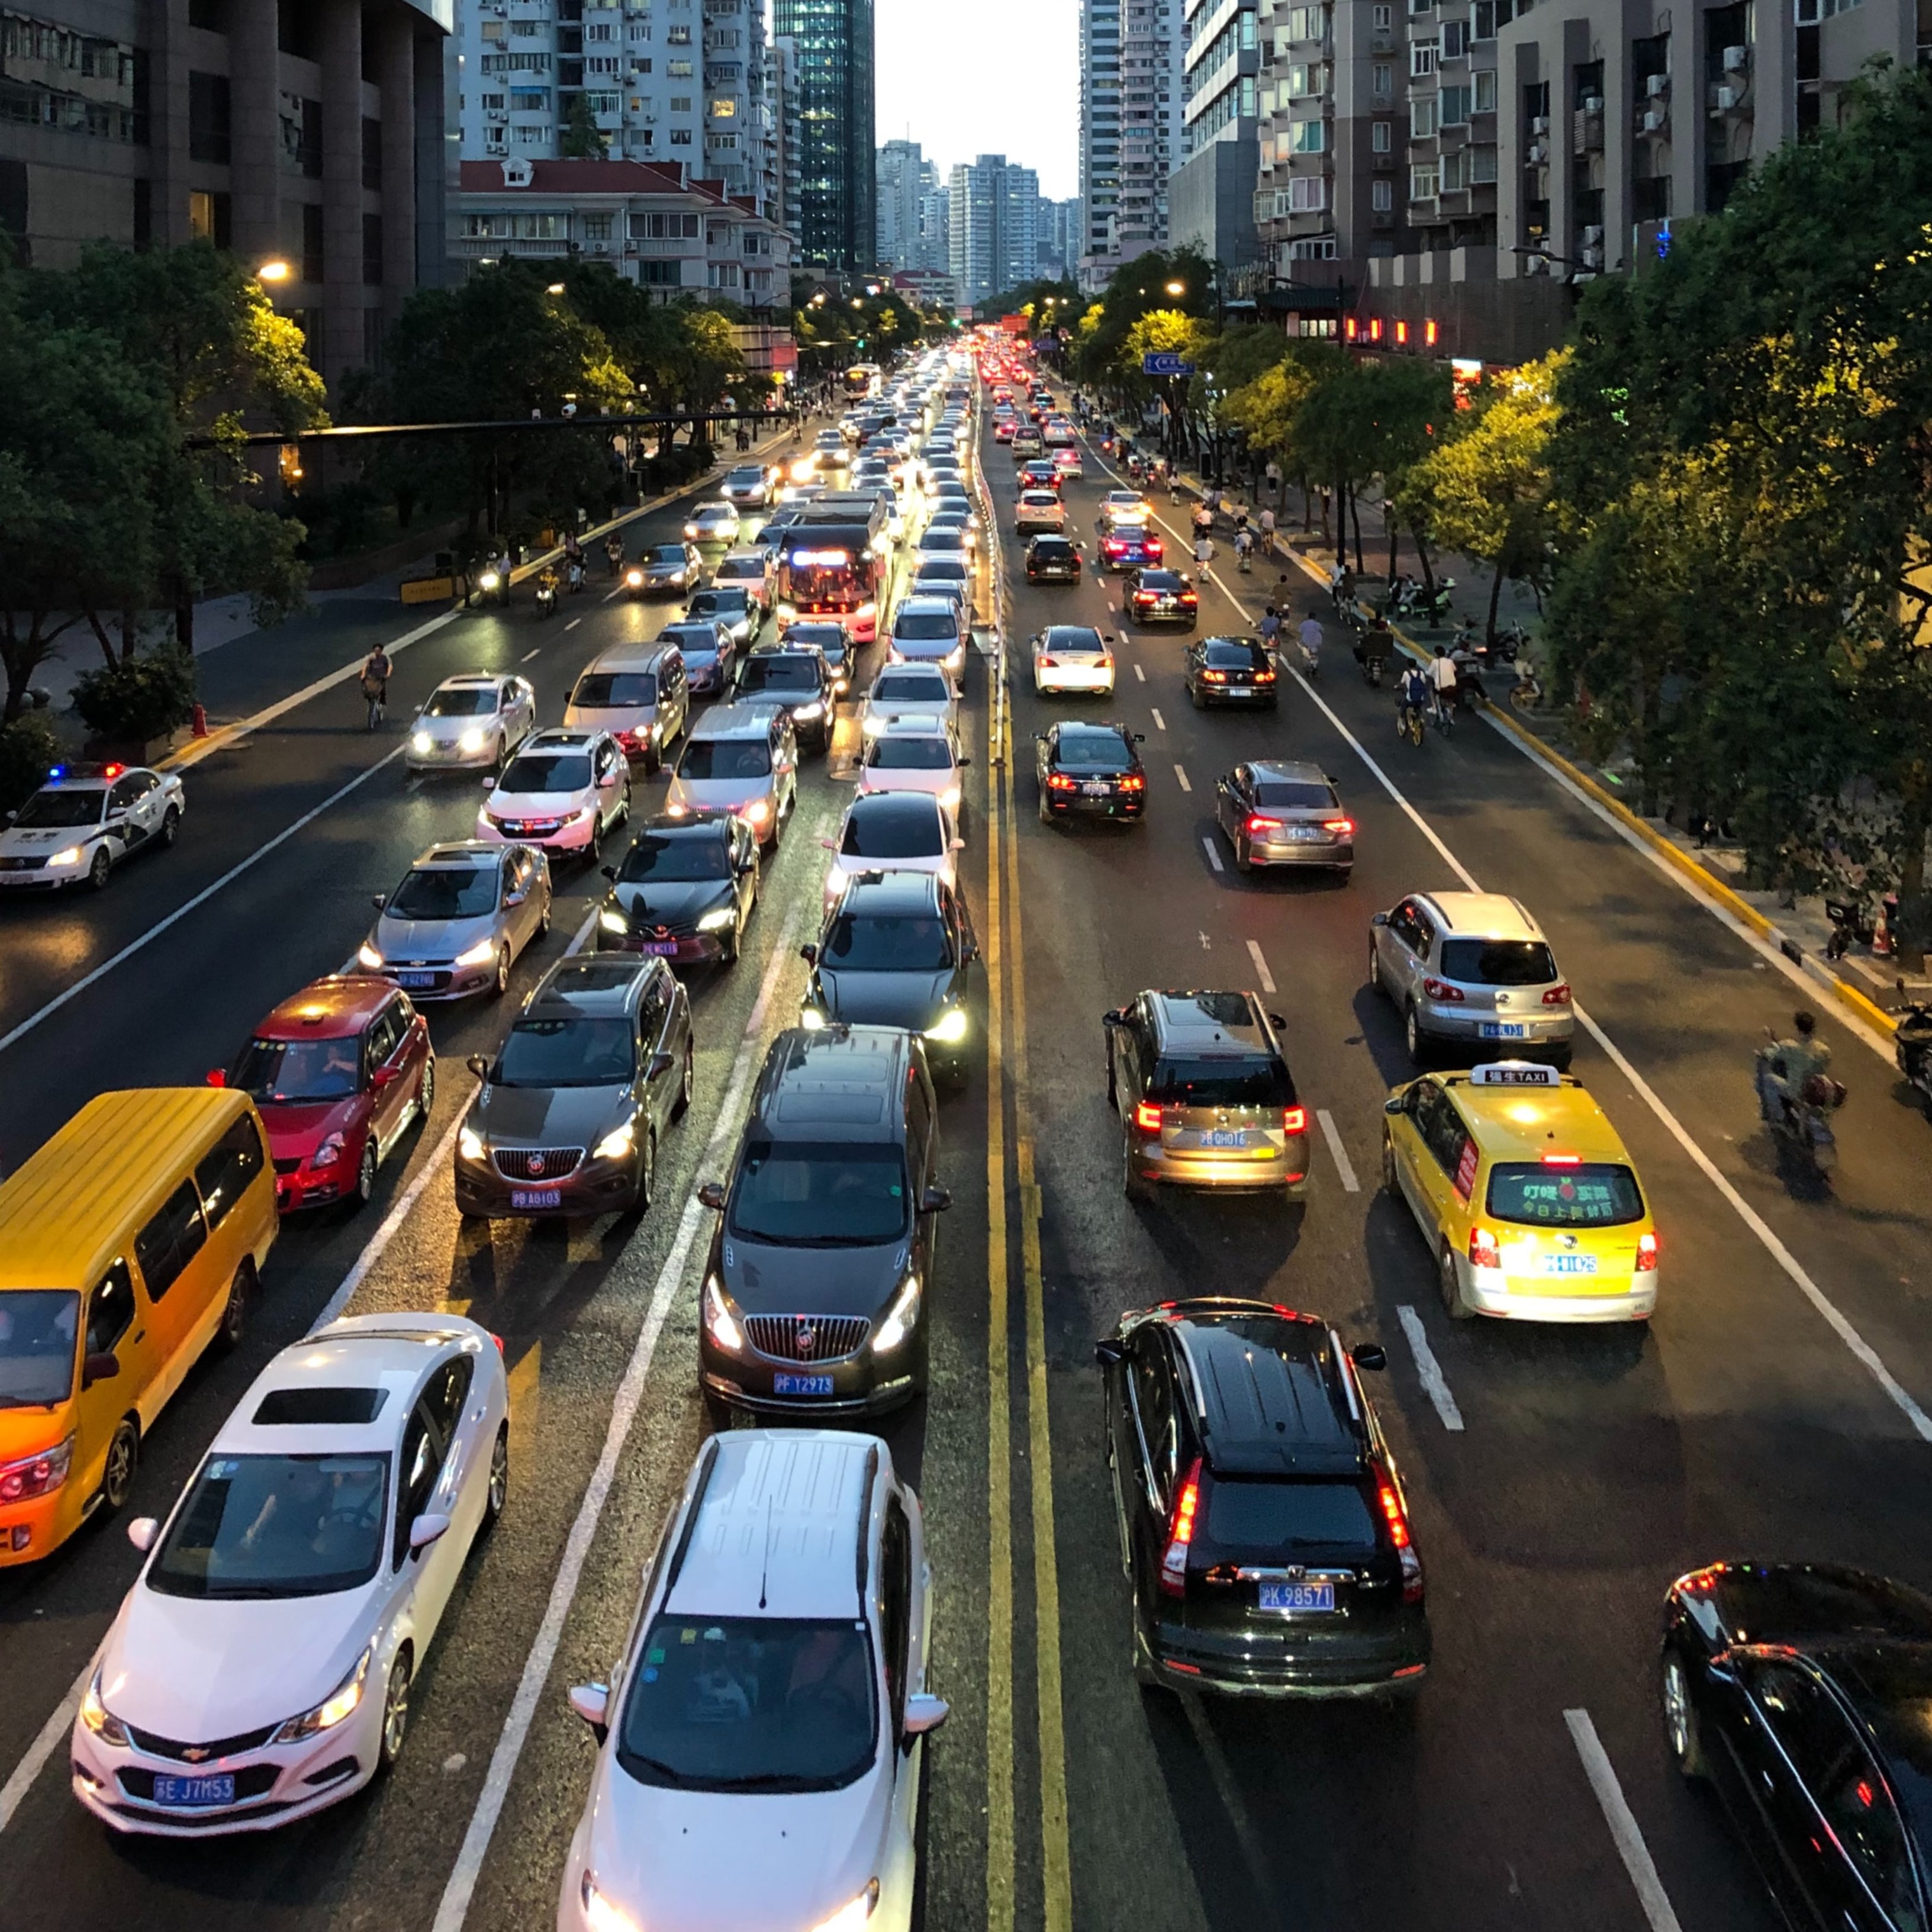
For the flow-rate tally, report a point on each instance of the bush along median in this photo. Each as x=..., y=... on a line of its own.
x=135, y=708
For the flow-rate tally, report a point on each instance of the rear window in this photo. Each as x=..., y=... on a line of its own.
x=920, y=625
x=1289, y=793
x=1498, y=962
x=1235, y=651
x=909, y=754
x=1593, y=1194
x=1274, y=1518
x=1229, y=1082
x=893, y=834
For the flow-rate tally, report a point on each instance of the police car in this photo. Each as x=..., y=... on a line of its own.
x=85, y=820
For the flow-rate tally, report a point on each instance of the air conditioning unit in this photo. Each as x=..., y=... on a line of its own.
x=1726, y=98
x=1593, y=103
x=1657, y=84
x=1539, y=124
x=1592, y=256
x=1593, y=236
x=1736, y=59
x=1537, y=153
x=1655, y=120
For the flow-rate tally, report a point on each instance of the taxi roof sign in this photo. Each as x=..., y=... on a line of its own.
x=1514, y=1073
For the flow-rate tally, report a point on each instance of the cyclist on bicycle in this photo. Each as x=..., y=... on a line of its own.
x=1411, y=695
x=1244, y=547
x=613, y=553
x=376, y=683
x=1442, y=683
x=1271, y=627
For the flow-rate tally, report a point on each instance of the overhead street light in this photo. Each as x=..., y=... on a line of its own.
x=275, y=271
x=1177, y=288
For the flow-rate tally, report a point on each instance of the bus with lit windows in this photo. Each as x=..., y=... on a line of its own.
x=864, y=380
x=835, y=573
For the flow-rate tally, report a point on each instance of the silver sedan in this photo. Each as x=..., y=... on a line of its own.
x=474, y=721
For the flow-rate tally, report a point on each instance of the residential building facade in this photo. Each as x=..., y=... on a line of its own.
x=1059, y=238
x=309, y=136
x=837, y=225
x=904, y=178
x=994, y=207
x=1130, y=128
x=1211, y=194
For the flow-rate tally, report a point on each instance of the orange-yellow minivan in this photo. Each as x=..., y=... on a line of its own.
x=129, y=1243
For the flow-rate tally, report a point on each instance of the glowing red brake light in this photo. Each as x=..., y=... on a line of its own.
x=1294, y=1120
x=1557, y=996
x=1256, y=822
x=1181, y=1534
x=1563, y=1160
x=1397, y=1519
x=1147, y=1116
x=1483, y=1252
x=1058, y=782
x=1133, y=781
x=1342, y=825
x=1646, y=1253
x=1440, y=989
x=111, y=771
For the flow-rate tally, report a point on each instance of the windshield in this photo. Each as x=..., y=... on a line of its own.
x=1293, y=794
x=893, y=835
x=746, y=479
x=909, y=754
x=707, y=758
x=672, y=554
x=445, y=892
x=668, y=861
x=874, y=942
x=568, y=1053
x=750, y=1703
x=546, y=771
x=1092, y=751
x=476, y=701
x=800, y=1194
x=777, y=673
x=698, y=646
x=1498, y=962
x=909, y=687
x=751, y=569
x=922, y=626
x=51, y=808
x=276, y=1526
x=838, y=586
x=1222, y=1083
x=299, y=1069
x=597, y=690
x=1590, y=1195
x=37, y=1329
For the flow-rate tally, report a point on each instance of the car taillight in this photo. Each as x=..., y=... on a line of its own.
x=1213, y=677
x=1147, y=1116
x=1256, y=822
x=1440, y=989
x=1562, y=1160
x=1557, y=996
x=1133, y=781
x=1646, y=1253
x=1343, y=827
x=1058, y=782
x=1049, y=664
x=1483, y=1252
x=1264, y=677
x=1189, y=597
x=1294, y=1120
x=1181, y=1534
x=1397, y=1519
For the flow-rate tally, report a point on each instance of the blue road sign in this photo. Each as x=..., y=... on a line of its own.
x=1165, y=363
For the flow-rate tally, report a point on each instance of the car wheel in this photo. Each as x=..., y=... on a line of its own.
x=501, y=984
x=647, y=1171
x=124, y=1456
x=1132, y=1185
x=426, y=1090
x=502, y=752
x=687, y=1083
x=653, y=761
x=1375, y=969
x=170, y=825
x=1390, y=1180
x=543, y=924
x=1244, y=857
x=365, y=1170
x=395, y=1712
x=1459, y=1310
x=98, y=867
x=1413, y=1036
x=498, y=1493
x=1200, y=703
x=235, y=1310
x=1680, y=1718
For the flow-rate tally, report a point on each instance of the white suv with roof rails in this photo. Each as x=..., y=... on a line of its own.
x=563, y=790
x=759, y=1741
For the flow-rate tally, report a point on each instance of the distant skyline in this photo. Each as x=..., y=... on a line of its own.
x=964, y=78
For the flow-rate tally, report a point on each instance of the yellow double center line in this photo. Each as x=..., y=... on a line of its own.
x=1007, y=1066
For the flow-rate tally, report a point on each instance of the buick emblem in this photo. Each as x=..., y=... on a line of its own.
x=196, y=1752
x=806, y=1341
x=536, y=1163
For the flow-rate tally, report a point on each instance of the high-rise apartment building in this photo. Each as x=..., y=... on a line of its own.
x=686, y=81
x=786, y=133
x=837, y=225
x=308, y=134
x=904, y=178
x=935, y=232
x=1059, y=238
x=1130, y=128
x=1211, y=195
x=994, y=207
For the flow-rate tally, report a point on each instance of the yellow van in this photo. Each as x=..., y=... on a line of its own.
x=130, y=1243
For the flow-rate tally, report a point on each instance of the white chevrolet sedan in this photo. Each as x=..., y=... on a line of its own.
x=259, y=1669
x=759, y=1743
x=921, y=754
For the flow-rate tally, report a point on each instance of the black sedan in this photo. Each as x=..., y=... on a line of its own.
x=1799, y=1691
x=1162, y=597
x=1092, y=770
x=684, y=892
x=798, y=679
x=1052, y=560
x=1263, y=1531
x=1230, y=671
x=1039, y=472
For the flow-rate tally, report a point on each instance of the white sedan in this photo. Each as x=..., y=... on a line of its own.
x=907, y=690
x=920, y=754
x=84, y=821
x=1073, y=657
x=893, y=832
x=259, y=1669
x=477, y=719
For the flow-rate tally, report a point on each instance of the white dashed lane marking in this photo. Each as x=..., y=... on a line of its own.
x=1434, y=1384
x=1343, y=1165
x=1160, y=722
x=1180, y=772
x=1139, y=673
x=1214, y=857
x=1261, y=967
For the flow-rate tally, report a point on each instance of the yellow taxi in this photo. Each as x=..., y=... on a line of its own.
x=1524, y=1194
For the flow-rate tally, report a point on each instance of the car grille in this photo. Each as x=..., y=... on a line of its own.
x=160, y=1747
x=289, y=1166
x=21, y=865
x=537, y=1163
x=529, y=828
x=808, y=1338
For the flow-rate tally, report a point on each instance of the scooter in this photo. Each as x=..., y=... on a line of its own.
x=1801, y=1127
x=546, y=599
x=1911, y=1045
x=1851, y=924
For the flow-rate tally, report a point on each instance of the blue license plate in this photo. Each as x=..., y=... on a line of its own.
x=414, y=979
x=1221, y=1137
x=217, y=1788
x=1569, y=1264
x=1502, y=1030
x=665, y=948
x=1297, y=1596
x=801, y=1385
x=536, y=1197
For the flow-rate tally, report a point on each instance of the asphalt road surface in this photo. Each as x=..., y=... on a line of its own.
x=1558, y=1479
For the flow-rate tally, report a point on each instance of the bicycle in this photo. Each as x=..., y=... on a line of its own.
x=377, y=700
x=1440, y=715
x=1409, y=723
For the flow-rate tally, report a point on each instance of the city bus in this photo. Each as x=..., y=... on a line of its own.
x=832, y=571
x=864, y=380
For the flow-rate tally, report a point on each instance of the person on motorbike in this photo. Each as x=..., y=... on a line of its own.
x=613, y=553
x=547, y=583
x=1271, y=627
x=1787, y=1067
x=1310, y=635
x=375, y=682
x=1204, y=520
x=1377, y=644
x=1411, y=696
x=1244, y=548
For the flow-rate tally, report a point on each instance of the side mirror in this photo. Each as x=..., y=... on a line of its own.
x=1276, y=1019
x=959, y=844
x=712, y=1195
x=1396, y=1103
x=1109, y=1353
x=1379, y=919
x=965, y=758
x=217, y=1077
x=384, y=1076
x=380, y=900
x=609, y=872
x=935, y=1200
x=141, y=1532
x=1369, y=1355
x=592, y=1702
x=1140, y=737
x=809, y=954
x=923, y=1713
x=429, y=1527
x=102, y=1367
x=514, y=899
x=479, y=1065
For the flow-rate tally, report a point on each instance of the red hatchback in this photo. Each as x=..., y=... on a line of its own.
x=340, y=1071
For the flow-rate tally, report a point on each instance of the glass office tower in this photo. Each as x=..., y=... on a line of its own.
x=837, y=190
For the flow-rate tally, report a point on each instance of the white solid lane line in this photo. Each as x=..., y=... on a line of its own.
x=1139, y=673
x=1435, y=1384
x=200, y=899
x=1160, y=722
x=1261, y=967
x=1180, y=773
x=1617, y=1814
x=1214, y=855
x=528, y=655
x=573, y=624
x=51, y=1735
x=1344, y=1166
x=462, y=1885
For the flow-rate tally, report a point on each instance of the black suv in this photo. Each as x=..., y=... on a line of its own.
x=1051, y=560
x=896, y=951
x=799, y=682
x=1263, y=1530
x=813, y=1297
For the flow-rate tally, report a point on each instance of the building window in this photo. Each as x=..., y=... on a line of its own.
x=1422, y=118
x=1308, y=137
x=1483, y=20
x=1422, y=182
x=207, y=122
x=1381, y=80
x=1381, y=195
x=1483, y=99
x=372, y=250
x=301, y=121
x=1307, y=194
x=1421, y=58
x=209, y=218
x=680, y=137
x=1455, y=39
x=528, y=99
x=1483, y=165
x=723, y=110
x=597, y=227
x=372, y=153
x=1455, y=106
x=313, y=262
x=1382, y=17
x=1453, y=174
x=1381, y=136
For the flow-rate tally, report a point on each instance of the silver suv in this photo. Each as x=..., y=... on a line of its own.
x=1471, y=972
x=741, y=759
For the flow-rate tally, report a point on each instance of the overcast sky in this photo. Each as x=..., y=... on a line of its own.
x=965, y=78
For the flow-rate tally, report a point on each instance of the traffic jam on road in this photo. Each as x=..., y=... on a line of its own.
x=572, y=1292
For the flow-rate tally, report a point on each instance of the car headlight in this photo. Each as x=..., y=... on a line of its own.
x=612, y=920
x=490, y=580
x=481, y=954
x=720, y=1323
x=421, y=742
x=811, y=1018
x=835, y=881
x=851, y=1915
x=949, y=1029
x=619, y=1144
x=68, y=855
x=368, y=958
x=756, y=812
x=471, y=740
x=690, y=531
x=469, y=1142
x=954, y=659
x=99, y=1719
x=805, y=713
x=717, y=921
x=634, y=580
x=787, y=612
x=329, y=1153
x=893, y=1330
x=340, y=1703
x=39, y=1474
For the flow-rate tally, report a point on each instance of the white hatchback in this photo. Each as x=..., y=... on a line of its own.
x=919, y=754
x=563, y=790
x=760, y=1742
x=259, y=1669
x=907, y=690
